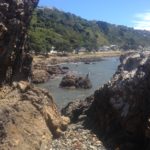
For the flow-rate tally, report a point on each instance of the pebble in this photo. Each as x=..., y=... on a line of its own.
x=77, y=138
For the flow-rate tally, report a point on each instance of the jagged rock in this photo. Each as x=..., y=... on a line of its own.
x=15, y=63
x=51, y=69
x=23, y=86
x=70, y=81
x=40, y=76
x=74, y=109
x=41, y=72
x=28, y=120
x=120, y=110
x=55, y=70
x=28, y=116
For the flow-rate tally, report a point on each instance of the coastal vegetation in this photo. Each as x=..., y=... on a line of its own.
x=63, y=31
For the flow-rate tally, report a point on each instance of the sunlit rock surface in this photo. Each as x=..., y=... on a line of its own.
x=29, y=118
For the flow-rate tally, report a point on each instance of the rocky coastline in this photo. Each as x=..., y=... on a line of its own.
x=119, y=111
x=45, y=68
x=115, y=117
x=54, y=59
x=42, y=72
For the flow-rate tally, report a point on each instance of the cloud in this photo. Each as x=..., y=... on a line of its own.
x=142, y=21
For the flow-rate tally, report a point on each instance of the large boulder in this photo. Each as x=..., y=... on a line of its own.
x=40, y=76
x=29, y=118
x=120, y=110
x=70, y=81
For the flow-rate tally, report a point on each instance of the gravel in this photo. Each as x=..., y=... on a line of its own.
x=77, y=138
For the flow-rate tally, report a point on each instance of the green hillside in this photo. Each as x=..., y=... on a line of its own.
x=66, y=32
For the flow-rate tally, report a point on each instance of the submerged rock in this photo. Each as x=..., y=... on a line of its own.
x=70, y=81
x=120, y=109
x=65, y=67
x=87, y=62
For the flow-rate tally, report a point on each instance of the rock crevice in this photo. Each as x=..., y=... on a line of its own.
x=120, y=109
x=15, y=63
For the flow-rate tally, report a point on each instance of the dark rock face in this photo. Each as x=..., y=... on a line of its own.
x=74, y=109
x=76, y=82
x=121, y=108
x=29, y=118
x=15, y=15
x=65, y=68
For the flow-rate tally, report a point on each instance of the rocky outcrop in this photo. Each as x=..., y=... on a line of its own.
x=41, y=72
x=120, y=109
x=77, y=110
x=40, y=76
x=15, y=63
x=72, y=81
x=51, y=69
x=28, y=118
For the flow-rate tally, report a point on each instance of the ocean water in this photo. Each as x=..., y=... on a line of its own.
x=99, y=73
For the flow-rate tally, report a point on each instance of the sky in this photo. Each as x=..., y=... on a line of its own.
x=131, y=13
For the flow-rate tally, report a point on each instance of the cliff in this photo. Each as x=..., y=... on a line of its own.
x=119, y=111
x=29, y=118
x=15, y=15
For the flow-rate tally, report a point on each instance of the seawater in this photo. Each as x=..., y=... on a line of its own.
x=99, y=73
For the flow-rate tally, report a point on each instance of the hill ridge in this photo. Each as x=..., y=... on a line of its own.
x=66, y=32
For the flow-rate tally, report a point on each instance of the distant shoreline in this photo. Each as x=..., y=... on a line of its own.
x=88, y=57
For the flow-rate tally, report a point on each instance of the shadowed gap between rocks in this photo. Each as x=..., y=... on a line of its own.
x=119, y=111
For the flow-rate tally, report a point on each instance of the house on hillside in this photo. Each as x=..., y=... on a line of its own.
x=114, y=47
x=107, y=48
x=80, y=50
x=52, y=51
x=104, y=48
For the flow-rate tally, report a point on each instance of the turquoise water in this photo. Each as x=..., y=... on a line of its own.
x=99, y=73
